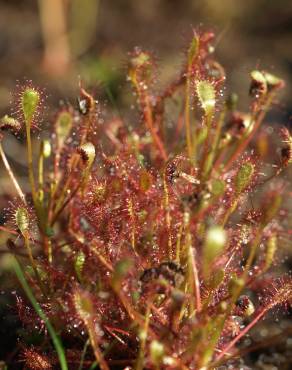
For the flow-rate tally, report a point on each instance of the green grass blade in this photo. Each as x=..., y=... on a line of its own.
x=93, y=366
x=55, y=339
x=86, y=345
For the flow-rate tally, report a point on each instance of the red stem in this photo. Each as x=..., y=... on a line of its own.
x=242, y=146
x=149, y=124
x=241, y=334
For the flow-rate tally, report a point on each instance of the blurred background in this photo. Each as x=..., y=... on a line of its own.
x=53, y=42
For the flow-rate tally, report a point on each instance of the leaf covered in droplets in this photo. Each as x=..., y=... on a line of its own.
x=30, y=99
x=22, y=219
x=207, y=96
x=244, y=176
x=79, y=264
x=83, y=305
x=217, y=187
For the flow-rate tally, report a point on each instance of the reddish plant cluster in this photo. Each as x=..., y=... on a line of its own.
x=148, y=255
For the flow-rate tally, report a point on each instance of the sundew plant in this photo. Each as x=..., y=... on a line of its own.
x=149, y=244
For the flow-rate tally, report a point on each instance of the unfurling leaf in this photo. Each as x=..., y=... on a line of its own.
x=263, y=82
x=87, y=153
x=273, y=82
x=86, y=102
x=244, y=306
x=258, y=85
x=9, y=123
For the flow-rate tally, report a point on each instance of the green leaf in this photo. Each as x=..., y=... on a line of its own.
x=79, y=264
x=83, y=305
x=22, y=219
x=206, y=95
x=30, y=99
x=215, y=242
x=244, y=177
x=217, y=187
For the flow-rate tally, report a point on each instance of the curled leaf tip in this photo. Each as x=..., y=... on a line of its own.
x=258, y=86
x=86, y=102
x=273, y=81
x=9, y=123
x=87, y=153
